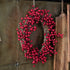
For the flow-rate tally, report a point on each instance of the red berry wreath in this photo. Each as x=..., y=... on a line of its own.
x=26, y=27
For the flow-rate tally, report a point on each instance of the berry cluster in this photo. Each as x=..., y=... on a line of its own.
x=25, y=29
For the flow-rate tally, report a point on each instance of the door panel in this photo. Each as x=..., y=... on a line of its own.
x=10, y=50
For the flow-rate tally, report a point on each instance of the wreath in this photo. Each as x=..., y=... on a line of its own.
x=27, y=26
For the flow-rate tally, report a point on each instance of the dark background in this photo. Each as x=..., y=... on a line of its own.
x=66, y=1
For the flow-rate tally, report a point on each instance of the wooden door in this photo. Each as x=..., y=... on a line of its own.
x=10, y=50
